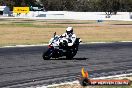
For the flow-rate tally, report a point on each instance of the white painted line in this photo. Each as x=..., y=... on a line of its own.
x=55, y=85
x=47, y=44
x=100, y=42
x=115, y=76
x=109, y=42
x=126, y=41
x=24, y=45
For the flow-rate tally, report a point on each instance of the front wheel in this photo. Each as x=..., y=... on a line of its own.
x=47, y=55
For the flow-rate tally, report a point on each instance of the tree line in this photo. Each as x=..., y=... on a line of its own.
x=74, y=5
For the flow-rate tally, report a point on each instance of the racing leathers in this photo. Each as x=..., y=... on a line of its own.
x=71, y=38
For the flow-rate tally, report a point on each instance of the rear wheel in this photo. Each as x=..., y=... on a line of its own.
x=70, y=54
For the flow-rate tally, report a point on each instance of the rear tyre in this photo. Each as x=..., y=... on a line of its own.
x=70, y=54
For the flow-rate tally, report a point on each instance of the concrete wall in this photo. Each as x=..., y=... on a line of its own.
x=76, y=15
x=98, y=16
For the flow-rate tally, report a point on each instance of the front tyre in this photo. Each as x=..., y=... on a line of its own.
x=47, y=55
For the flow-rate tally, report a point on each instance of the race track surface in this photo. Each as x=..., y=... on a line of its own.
x=24, y=66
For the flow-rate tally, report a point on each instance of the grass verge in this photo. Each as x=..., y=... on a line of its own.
x=22, y=31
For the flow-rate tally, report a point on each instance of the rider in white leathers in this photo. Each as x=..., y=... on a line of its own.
x=70, y=36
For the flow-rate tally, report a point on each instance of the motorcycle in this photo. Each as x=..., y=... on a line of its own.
x=58, y=47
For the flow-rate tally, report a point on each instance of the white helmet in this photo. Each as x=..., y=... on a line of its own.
x=69, y=30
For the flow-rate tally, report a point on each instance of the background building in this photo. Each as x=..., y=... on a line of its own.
x=5, y=11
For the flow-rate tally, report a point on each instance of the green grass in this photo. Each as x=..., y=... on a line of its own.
x=72, y=23
x=31, y=25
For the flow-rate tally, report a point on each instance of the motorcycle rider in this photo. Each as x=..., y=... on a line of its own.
x=63, y=45
x=70, y=36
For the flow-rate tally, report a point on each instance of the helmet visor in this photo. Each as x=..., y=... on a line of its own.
x=68, y=32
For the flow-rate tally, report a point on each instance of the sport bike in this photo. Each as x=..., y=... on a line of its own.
x=58, y=47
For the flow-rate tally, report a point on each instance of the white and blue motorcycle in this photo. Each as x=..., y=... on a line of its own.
x=58, y=47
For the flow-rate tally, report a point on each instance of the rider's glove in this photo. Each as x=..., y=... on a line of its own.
x=60, y=44
x=61, y=36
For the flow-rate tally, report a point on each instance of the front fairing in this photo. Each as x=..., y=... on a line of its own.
x=54, y=41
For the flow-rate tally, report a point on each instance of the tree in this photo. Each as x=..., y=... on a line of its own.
x=108, y=6
x=59, y=4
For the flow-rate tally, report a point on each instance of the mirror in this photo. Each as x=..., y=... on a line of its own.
x=54, y=34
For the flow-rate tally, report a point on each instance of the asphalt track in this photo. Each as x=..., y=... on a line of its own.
x=23, y=66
